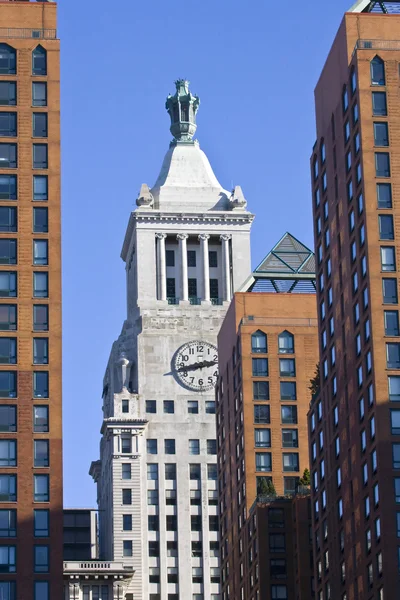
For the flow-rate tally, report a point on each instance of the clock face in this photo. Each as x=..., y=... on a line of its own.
x=196, y=366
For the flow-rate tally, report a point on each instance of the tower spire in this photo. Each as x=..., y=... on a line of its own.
x=182, y=108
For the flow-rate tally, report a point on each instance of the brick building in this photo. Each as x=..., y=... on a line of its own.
x=268, y=353
x=30, y=304
x=355, y=420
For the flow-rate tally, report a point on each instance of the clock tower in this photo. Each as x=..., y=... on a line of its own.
x=186, y=250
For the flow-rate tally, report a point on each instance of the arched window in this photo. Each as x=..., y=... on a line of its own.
x=259, y=342
x=286, y=343
x=8, y=60
x=39, y=61
x=377, y=71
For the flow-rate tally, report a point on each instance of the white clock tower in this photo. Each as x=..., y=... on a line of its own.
x=186, y=249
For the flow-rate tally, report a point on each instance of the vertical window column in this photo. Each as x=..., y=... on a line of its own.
x=226, y=267
x=204, y=237
x=162, y=273
x=182, y=239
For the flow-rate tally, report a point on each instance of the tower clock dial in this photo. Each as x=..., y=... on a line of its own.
x=196, y=366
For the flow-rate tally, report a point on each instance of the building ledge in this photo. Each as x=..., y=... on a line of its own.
x=95, y=568
x=36, y=34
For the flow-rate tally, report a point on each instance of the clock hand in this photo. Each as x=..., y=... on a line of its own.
x=196, y=366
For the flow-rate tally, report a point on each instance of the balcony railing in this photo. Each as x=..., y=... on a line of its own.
x=377, y=45
x=95, y=565
x=194, y=301
x=37, y=34
x=172, y=300
x=217, y=301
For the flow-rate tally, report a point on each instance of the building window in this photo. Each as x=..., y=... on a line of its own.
x=389, y=291
x=41, y=488
x=286, y=343
x=393, y=356
x=40, y=156
x=345, y=99
x=8, y=218
x=8, y=160
x=8, y=124
x=42, y=590
x=127, y=496
x=41, y=384
x=151, y=445
x=39, y=93
x=41, y=559
x=290, y=438
x=210, y=407
x=259, y=342
x=291, y=485
x=397, y=489
x=382, y=164
x=261, y=414
x=262, y=438
x=395, y=421
x=288, y=390
x=41, y=453
x=192, y=287
x=394, y=388
x=40, y=284
x=191, y=258
x=171, y=288
x=8, y=351
x=388, y=258
x=8, y=384
x=40, y=419
x=384, y=195
x=194, y=447
x=211, y=446
x=8, y=453
x=263, y=461
x=40, y=220
x=287, y=367
x=379, y=105
x=125, y=406
x=212, y=472
x=193, y=407
x=289, y=414
x=7, y=559
x=40, y=187
x=212, y=258
x=260, y=390
x=8, y=187
x=127, y=522
x=8, y=64
x=8, y=488
x=8, y=418
x=8, y=284
x=39, y=61
x=8, y=252
x=381, y=134
x=39, y=124
x=290, y=461
x=277, y=542
x=214, y=293
x=41, y=526
x=169, y=446
x=40, y=317
x=172, y=523
x=260, y=367
x=169, y=407
x=151, y=406
x=40, y=351
x=126, y=444
x=377, y=71
x=386, y=227
x=391, y=319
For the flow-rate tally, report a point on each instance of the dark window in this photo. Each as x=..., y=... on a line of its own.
x=192, y=287
x=277, y=542
x=381, y=134
x=151, y=445
x=290, y=438
x=8, y=384
x=39, y=124
x=377, y=71
x=170, y=287
x=151, y=406
x=262, y=438
x=8, y=60
x=41, y=453
x=40, y=221
x=172, y=523
x=277, y=569
x=214, y=291
x=288, y=390
x=379, y=107
x=289, y=414
x=170, y=258
x=382, y=164
x=8, y=488
x=260, y=367
x=394, y=388
x=126, y=496
x=8, y=559
x=8, y=156
x=41, y=384
x=261, y=414
x=263, y=461
x=191, y=258
x=8, y=418
x=286, y=343
x=169, y=407
x=41, y=526
x=40, y=317
x=39, y=61
x=8, y=453
x=193, y=407
x=40, y=419
x=8, y=252
x=169, y=446
x=40, y=187
x=211, y=446
x=210, y=405
x=345, y=99
x=127, y=548
x=41, y=488
x=389, y=291
x=195, y=472
x=212, y=472
x=170, y=471
x=290, y=485
x=8, y=351
x=8, y=93
x=126, y=471
x=154, y=549
x=388, y=258
x=395, y=421
x=384, y=195
x=386, y=227
x=39, y=93
x=195, y=523
x=290, y=461
x=8, y=217
x=260, y=390
x=8, y=284
x=213, y=523
x=213, y=258
x=391, y=322
x=259, y=342
x=40, y=160
x=127, y=523
x=41, y=284
x=8, y=187
x=393, y=356
x=8, y=124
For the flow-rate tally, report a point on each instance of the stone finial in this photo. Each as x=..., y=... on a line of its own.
x=145, y=198
x=237, y=199
x=124, y=365
x=182, y=108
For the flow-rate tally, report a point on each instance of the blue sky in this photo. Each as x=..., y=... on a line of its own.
x=254, y=65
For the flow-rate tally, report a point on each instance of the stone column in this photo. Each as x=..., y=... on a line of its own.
x=162, y=272
x=182, y=237
x=226, y=271
x=204, y=237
